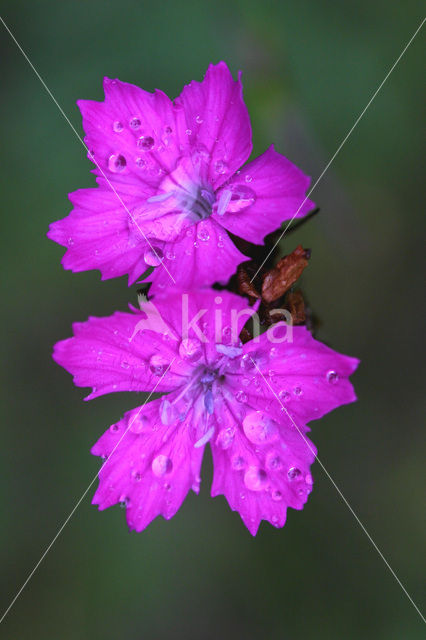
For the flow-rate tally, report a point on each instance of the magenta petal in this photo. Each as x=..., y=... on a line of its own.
x=217, y=120
x=129, y=126
x=149, y=467
x=303, y=378
x=118, y=353
x=260, y=479
x=96, y=235
x=267, y=191
x=203, y=255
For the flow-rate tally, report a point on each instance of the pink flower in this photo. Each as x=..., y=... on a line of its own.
x=251, y=403
x=170, y=188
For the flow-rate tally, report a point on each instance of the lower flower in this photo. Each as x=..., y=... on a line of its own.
x=251, y=403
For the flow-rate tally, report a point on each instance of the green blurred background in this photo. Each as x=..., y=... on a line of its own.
x=309, y=69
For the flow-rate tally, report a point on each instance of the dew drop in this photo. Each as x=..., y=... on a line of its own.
x=134, y=123
x=188, y=132
x=168, y=130
x=190, y=349
x=140, y=163
x=247, y=362
x=241, y=198
x=116, y=163
x=259, y=428
x=293, y=473
x=138, y=424
x=117, y=126
x=284, y=395
x=274, y=462
x=158, y=364
x=241, y=396
x=161, y=465
x=238, y=463
x=145, y=143
x=297, y=391
x=153, y=256
x=248, y=178
x=276, y=495
x=255, y=479
x=198, y=119
x=203, y=233
x=125, y=364
x=225, y=438
x=220, y=167
x=332, y=377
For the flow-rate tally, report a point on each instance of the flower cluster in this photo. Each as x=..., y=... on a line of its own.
x=171, y=188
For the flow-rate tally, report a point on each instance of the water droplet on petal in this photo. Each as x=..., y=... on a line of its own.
x=153, y=256
x=241, y=198
x=199, y=120
x=138, y=424
x=297, y=391
x=116, y=163
x=158, y=364
x=225, y=438
x=293, y=473
x=284, y=395
x=274, y=462
x=125, y=364
x=241, y=396
x=220, y=167
x=248, y=178
x=190, y=349
x=145, y=143
x=134, y=123
x=203, y=233
x=161, y=465
x=247, y=362
x=276, y=495
x=117, y=126
x=255, y=479
x=188, y=132
x=238, y=463
x=332, y=377
x=259, y=428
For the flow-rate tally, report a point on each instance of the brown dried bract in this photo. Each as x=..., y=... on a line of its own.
x=296, y=305
x=279, y=280
x=245, y=286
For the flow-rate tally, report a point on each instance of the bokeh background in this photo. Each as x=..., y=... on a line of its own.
x=309, y=69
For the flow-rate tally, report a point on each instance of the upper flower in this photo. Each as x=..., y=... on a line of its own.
x=250, y=402
x=170, y=188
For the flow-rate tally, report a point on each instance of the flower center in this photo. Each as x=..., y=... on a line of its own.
x=200, y=206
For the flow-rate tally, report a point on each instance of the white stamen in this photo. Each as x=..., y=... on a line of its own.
x=223, y=201
x=161, y=197
x=205, y=438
